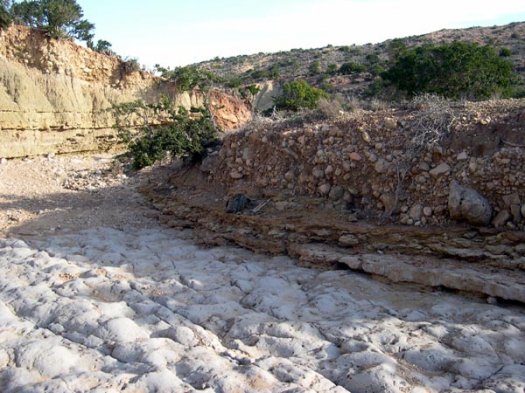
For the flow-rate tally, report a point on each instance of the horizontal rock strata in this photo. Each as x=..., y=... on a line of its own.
x=56, y=96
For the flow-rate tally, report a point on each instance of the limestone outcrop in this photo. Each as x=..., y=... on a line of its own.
x=56, y=96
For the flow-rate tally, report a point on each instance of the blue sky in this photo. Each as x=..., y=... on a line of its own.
x=176, y=32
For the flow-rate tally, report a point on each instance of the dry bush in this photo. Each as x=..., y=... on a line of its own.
x=431, y=123
x=330, y=109
x=377, y=105
x=258, y=122
x=353, y=103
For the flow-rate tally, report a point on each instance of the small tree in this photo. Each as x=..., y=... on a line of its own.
x=331, y=69
x=453, y=70
x=314, y=68
x=186, y=135
x=351, y=68
x=102, y=46
x=298, y=95
x=190, y=77
x=505, y=52
x=274, y=72
x=58, y=18
x=249, y=91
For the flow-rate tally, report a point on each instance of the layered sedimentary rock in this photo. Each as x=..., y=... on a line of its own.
x=56, y=96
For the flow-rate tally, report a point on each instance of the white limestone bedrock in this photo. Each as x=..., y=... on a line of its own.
x=144, y=311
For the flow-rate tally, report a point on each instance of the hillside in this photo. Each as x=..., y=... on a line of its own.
x=318, y=65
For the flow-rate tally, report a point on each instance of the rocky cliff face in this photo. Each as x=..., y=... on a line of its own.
x=55, y=95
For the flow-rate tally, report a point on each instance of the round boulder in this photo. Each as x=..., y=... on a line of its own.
x=466, y=204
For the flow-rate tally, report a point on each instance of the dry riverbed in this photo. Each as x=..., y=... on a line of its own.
x=96, y=296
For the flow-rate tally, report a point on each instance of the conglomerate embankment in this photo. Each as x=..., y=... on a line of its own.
x=367, y=190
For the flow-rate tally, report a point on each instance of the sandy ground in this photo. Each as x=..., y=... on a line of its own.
x=96, y=296
x=42, y=196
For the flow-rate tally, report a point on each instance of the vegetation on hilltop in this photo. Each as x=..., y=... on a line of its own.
x=397, y=69
x=359, y=71
x=57, y=18
x=102, y=46
x=190, y=77
x=456, y=70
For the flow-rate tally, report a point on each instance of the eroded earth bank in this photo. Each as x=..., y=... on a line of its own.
x=96, y=295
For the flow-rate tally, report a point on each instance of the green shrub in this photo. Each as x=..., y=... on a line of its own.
x=395, y=47
x=314, y=68
x=298, y=95
x=233, y=82
x=274, y=71
x=452, y=70
x=130, y=65
x=505, y=52
x=351, y=68
x=102, y=46
x=57, y=18
x=331, y=69
x=251, y=90
x=189, y=77
x=186, y=135
x=350, y=50
x=377, y=70
x=259, y=74
x=372, y=58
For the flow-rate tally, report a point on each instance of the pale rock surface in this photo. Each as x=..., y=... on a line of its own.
x=324, y=188
x=427, y=211
x=462, y=156
x=415, y=212
x=146, y=310
x=264, y=99
x=501, y=218
x=440, y=169
x=348, y=240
